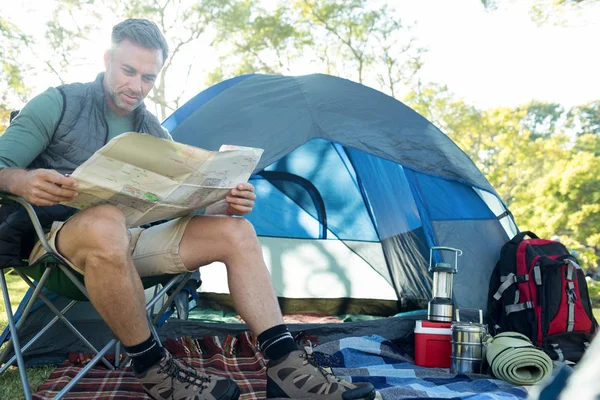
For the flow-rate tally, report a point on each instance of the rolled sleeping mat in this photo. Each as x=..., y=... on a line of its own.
x=514, y=359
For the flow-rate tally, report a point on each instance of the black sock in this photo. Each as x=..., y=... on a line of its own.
x=145, y=354
x=276, y=342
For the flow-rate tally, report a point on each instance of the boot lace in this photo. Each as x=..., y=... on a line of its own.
x=310, y=357
x=178, y=369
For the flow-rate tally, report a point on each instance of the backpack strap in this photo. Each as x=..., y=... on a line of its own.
x=537, y=274
x=520, y=236
x=518, y=307
x=559, y=354
x=508, y=281
x=571, y=295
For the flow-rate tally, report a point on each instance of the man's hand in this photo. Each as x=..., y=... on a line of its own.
x=44, y=187
x=240, y=200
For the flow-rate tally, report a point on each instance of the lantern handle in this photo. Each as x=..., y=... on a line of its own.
x=457, y=252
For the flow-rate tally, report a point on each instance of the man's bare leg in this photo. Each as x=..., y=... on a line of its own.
x=233, y=241
x=96, y=241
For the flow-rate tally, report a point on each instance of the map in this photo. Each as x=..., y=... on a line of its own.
x=152, y=179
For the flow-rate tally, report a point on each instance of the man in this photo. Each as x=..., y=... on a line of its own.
x=57, y=131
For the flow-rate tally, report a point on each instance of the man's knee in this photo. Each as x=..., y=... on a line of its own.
x=98, y=233
x=101, y=224
x=229, y=233
x=238, y=232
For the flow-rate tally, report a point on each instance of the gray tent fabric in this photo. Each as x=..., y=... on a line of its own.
x=328, y=107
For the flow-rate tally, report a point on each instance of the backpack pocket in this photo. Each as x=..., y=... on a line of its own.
x=565, y=299
x=567, y=345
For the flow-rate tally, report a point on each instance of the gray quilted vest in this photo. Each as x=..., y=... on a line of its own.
x=81, y=131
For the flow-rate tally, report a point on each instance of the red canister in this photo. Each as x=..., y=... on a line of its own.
x=433, y=344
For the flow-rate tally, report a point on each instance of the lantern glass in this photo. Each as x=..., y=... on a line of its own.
x=442, y=284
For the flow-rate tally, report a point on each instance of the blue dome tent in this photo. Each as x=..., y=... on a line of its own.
x=353, y=189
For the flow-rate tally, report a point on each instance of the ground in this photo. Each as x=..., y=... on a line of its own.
x=10, y=384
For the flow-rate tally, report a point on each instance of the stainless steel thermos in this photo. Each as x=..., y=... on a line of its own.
x=468, y=345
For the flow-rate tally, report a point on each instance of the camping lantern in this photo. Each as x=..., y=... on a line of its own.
x=440, y=307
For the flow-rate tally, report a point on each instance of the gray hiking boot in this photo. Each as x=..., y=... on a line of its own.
x=172, y=379
x=299, y=376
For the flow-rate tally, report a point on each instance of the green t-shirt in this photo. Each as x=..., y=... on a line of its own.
x=31, y=131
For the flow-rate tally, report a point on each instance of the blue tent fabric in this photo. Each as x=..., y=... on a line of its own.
x=345, y=162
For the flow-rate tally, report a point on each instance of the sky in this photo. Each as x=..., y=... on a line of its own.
x=490, y=58
x=502, y=58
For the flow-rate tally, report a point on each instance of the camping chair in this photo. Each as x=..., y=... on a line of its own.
x=57, y=277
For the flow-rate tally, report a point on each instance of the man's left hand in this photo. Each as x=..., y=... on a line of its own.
x=240, y=200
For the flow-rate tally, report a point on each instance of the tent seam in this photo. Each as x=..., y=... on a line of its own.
x=310, y=109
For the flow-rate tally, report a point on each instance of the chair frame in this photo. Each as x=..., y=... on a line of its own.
x=50, y=261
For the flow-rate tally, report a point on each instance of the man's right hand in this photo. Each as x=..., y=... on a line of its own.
x=44, y=187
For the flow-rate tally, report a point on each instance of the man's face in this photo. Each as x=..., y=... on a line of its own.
x=130, y=74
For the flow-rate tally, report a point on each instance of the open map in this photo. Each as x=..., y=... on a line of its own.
x=152, y=179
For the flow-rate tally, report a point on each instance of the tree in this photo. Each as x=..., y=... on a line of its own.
x=256, y=40
x=343, y=38
x=66, y=33
x=542, y=119
x=351, y=35
x=585, y=118
x=11, y=67
x=548, y=179
x=547, y=11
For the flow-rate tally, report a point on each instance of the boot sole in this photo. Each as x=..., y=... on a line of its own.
x=371, y=396
x=231, y=394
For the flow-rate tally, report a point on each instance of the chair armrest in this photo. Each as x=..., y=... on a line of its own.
x=6, y=197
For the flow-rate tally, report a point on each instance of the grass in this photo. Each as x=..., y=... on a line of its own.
x=10, y=381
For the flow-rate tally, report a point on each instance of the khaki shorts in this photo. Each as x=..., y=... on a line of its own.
x=155, y=250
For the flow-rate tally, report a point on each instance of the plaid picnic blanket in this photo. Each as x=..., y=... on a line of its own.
x=235, y=357
x=377, y=360
x=368, y=358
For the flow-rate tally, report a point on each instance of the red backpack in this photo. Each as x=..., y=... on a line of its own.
x=538, y=289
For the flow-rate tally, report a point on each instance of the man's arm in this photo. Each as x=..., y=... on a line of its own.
x=42, y=187
x=27, y=136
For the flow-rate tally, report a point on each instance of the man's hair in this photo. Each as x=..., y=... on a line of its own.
x=142, y=32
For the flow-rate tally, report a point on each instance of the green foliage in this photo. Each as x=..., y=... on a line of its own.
x=4, y=119
x=351, y=35
x=258, y=40
x=594, y=289
x=344, y=38
x=548, y=11
x=548, y=178
x=11, y=68
x=585, y=118
x=542, y=119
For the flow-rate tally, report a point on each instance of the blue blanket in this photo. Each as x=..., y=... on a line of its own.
x=377, y=360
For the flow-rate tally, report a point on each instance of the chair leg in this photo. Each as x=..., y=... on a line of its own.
x=61, y=315
x=182, y=282
x=85, y=370
x=15, y=339
x=30, y=303
x=41, y=333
